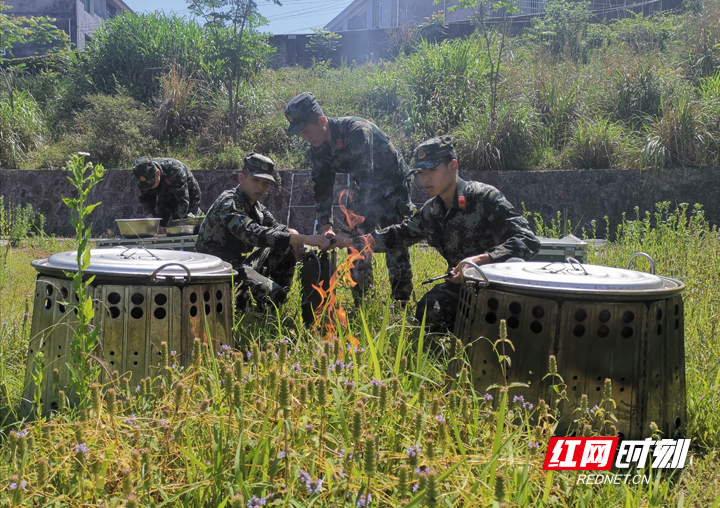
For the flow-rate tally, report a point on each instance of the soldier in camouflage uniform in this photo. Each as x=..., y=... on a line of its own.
x=380, y=181
x=167, y=189
x=464, y=221
x=237, y=223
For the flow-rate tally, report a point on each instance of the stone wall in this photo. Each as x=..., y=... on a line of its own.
x=583, y=195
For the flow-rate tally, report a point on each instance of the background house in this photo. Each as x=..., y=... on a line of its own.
x=78, y=18
x=362, y=14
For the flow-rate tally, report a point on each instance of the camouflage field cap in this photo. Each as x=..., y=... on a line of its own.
x=429, y=154
x=259, y=166
x=144, y=171
x=298, y=110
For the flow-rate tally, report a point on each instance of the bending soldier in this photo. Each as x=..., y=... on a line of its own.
x=463, y=220
x=168, y=189
x=380, y=181
x=237, y=223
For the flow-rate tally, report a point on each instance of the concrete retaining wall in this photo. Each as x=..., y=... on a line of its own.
x=585, y=195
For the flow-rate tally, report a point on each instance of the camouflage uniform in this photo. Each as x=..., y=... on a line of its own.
x=178, y=194
x=231, y=230
x=480, y=221
x=380, y=184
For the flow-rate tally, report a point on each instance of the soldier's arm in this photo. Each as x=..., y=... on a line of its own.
x=147, y=200
x=242, y=226
x=270, y=221
x=398, y=236
x=512, y=233
x=360, y=142
x=323, y=177
x=181, y=196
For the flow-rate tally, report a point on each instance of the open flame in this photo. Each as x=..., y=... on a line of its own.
x=331, y=310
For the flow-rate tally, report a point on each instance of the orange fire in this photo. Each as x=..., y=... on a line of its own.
x=331, y=307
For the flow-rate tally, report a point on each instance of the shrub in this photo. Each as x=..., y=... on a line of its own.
x=444, y=83
x=21, y=127
x=497, y=144
x=177, y=105
x=595, y=144
x=132, y=52
x=680, y=138
x=115, y=129
x=323, y=44
x=637, y=94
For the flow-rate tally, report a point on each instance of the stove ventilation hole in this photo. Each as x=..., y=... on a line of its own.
x=536, y=327
x=538, y=312
x=604, y=316
x=580, y=315
x=137, y=299
x=113, y=298
x=515, y=308
x=160, y=299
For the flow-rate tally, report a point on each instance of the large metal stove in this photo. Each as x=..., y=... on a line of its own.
x=142, y=298
x=600, y=322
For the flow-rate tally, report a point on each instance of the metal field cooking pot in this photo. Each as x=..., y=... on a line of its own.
x=600, y=322
x=142, y=297
x=138, y=228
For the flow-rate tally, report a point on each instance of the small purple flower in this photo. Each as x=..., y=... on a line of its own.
x=309, y=427
x=519, y=399
x=12, y=486
x=164, y=423
x=303, y=476
x=339, y=474
x=440, y=418
x=339, y=364
x=226, y=347
x=342, y=453
x=594, y=409
x=22, y=433
x=297, y=368
x=413, y=451
x=349, y=366
x=364, y=500
x=255, y=502
x=281, y=455
x=130, y=420
x=349, y=385
x=529, y=406
x=414, y=488
x=488, y=397
x=314, y=487
x=137, y=388
x=376, y=382
x=249, y=355
x=82, y=448
x=534, y=445
x=173, y=353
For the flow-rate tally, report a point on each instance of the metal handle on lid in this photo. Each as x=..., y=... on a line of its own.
x=136, y=247
x=646, y=256
x=485, y=280
x=153, y=277
x=572, y=261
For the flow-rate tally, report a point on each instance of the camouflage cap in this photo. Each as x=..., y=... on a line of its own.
x=144, y=171
x=298, y=110
x=259, y=166
x=429, y=155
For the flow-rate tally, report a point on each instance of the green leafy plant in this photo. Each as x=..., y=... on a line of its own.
x=84, y=371
x=323, y=44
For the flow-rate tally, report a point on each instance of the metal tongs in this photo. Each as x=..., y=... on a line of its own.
x=433, y=279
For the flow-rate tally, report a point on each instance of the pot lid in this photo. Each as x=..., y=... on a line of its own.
x=138, y=262
x=573, y=277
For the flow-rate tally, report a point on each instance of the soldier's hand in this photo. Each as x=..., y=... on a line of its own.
x=318, y=241
x=456, y=277
x=328, y=232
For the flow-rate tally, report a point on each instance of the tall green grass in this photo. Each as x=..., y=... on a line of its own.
x=255, y=423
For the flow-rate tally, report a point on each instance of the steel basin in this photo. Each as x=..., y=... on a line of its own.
x=138, y=228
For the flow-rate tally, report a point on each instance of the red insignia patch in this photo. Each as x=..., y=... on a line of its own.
x=340, y=143
x=461, y=202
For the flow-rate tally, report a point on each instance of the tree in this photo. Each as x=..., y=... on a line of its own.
x=323, y=44
x=239, y=50
x=24, y=30
x=493, y=36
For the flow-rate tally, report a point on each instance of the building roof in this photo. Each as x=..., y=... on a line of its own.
x=346, y=11
x=124, y=5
